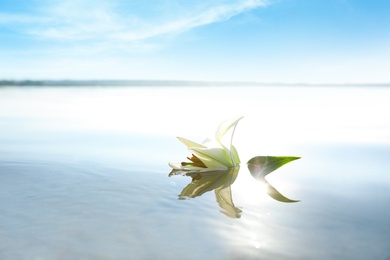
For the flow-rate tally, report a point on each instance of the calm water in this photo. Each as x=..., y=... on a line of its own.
x=84, y=173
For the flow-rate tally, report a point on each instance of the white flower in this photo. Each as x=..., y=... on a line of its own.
x=218, y=154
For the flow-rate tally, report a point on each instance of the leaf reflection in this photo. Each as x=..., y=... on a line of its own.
x=219, y=181
x=261, y=166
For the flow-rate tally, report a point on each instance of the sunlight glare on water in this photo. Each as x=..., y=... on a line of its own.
x=309, y=114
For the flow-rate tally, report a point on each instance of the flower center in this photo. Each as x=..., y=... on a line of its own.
x=195, y=161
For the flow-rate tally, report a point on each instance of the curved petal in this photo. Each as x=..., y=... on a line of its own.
x=190, y=143
x=234, y=155
x=175, y=166
x=224, y=128
x=224, y=136
x=213, y=157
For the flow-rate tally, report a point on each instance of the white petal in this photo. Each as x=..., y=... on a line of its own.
x=212, y=157
x=190, y=143
x=225, y=128
x=234, y=156
x=178, y=166
x=224, y=136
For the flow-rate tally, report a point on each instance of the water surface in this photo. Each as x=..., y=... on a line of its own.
x=84, y=174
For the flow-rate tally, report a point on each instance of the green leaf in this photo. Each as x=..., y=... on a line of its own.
x=276, y=195
x=261, y=166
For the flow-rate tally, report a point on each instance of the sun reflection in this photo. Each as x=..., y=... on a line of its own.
x=248, y=190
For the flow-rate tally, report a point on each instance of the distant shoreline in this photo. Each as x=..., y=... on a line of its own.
x=164, y=83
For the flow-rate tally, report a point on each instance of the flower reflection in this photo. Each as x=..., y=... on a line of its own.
x=219, y=181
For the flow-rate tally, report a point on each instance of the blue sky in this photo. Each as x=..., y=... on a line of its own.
x=311, y=41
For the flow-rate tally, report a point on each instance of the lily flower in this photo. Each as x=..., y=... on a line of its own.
x=212, y=155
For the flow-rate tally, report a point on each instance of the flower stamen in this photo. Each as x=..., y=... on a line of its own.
x=195, y=161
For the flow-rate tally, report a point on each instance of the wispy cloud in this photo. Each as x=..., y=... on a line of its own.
x=101, y=21
x=211, y=15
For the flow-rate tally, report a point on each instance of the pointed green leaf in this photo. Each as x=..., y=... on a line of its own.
x=261, y=166
x=275, y=194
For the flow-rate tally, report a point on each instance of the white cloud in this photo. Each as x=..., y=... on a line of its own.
x=212, y=15
x=102, y=21
x=102, y=39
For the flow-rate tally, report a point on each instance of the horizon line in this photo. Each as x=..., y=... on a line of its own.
x=173, y=82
